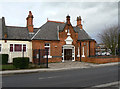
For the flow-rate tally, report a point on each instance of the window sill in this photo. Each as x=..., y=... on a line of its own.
x=48, y=56
x=18, y=52
x=83, y=55
x=78, y=55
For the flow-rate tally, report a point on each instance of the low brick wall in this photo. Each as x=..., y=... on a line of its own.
x=101, y=59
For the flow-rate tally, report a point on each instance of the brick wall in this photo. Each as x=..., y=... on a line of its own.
x=101, y=60
x=56, y=46
x=55, y=49
x=56, y=52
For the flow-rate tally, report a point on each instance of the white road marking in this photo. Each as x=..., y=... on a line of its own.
x=49, y=77
x=41, y=78
x=108, y=84
x=54, y=77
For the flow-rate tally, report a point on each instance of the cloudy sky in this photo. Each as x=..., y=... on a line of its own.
x=96, y=16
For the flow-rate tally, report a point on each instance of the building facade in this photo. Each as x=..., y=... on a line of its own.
x=15, y=41
x=64, y=41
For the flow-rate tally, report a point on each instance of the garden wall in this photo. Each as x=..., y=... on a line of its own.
x=101, y=59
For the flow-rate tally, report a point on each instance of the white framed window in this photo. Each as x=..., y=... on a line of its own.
x=78, y=52
x=47, y=46
x=11, y=47
x=83, y=52
x=0, y=47
x=17, y=47
x=87, y=50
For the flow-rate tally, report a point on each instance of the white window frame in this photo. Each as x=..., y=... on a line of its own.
x=9, y=48
x=78, y=52
x=83, y=51
x=14, y=47
x=49, y=50
x=87, y=50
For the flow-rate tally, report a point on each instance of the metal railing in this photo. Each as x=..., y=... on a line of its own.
x=40, y=57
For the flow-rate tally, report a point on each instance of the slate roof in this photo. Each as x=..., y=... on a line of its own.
x=49, y=32
x=82, y=34
x=17, y=33
x=14, y=32
x=34, y=31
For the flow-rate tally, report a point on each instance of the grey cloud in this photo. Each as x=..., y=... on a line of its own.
x=96, y=15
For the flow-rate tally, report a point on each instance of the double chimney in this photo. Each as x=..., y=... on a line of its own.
x=30, y=22
x=78, y=21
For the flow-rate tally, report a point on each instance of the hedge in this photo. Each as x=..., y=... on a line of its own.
x=4, y=58
x=21, y=62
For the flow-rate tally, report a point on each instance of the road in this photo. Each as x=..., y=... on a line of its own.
x=65, y=78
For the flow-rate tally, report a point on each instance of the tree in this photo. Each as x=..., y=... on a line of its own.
x=109, y=37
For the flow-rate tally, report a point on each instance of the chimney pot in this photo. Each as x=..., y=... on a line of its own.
x=68, y=19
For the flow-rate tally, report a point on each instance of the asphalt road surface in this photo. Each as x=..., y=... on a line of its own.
x=65, y=78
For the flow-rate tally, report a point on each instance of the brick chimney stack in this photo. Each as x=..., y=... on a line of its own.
x=68, y=19
x=4, y=27
x=30, y=22
x=79, y=22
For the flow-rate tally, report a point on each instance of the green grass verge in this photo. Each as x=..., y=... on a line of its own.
x=11, y=67
x=7, y=67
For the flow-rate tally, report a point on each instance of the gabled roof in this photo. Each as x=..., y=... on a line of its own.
x=14, y=32
x=82, y=34
x=49, y=31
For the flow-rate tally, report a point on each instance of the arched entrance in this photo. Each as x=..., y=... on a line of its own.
x=68, y=52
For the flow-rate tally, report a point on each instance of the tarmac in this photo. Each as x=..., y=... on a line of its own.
x=58, y=66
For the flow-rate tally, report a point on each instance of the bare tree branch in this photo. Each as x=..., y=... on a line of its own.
x=109, y=37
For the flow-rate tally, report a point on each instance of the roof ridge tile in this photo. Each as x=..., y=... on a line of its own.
x=55, y=21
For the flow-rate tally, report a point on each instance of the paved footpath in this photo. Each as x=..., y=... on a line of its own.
x=59, y=66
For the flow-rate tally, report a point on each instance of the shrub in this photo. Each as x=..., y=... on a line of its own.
x=21, y=62
x=3, y=58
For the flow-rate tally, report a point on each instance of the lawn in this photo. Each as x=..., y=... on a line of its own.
x=7, y=67
x=11, y=67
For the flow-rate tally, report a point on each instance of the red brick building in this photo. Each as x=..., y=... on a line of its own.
x=64, y=41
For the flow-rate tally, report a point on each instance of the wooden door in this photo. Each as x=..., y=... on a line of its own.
x=67, y=54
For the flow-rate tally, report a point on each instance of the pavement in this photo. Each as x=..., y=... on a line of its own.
x=58, y=66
